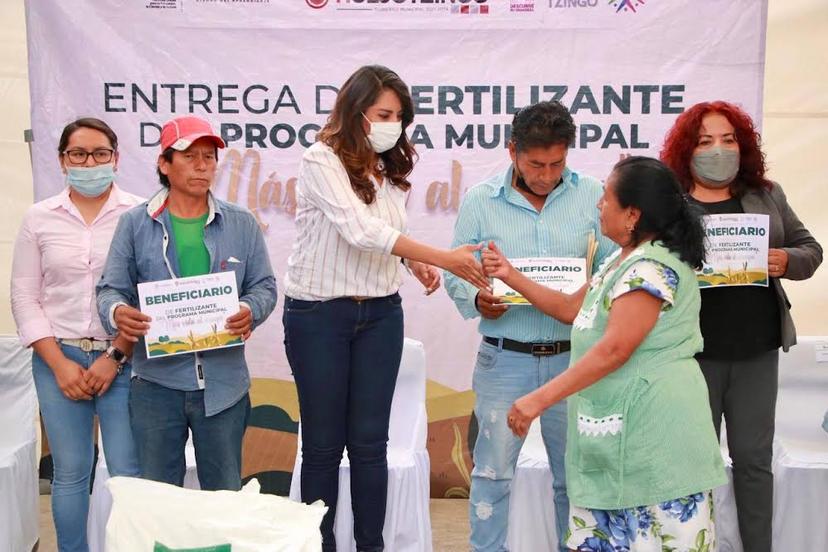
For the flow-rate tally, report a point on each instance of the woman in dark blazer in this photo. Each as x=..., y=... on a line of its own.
x=714, y=149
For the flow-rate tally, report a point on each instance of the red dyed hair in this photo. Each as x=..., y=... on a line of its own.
x=682, y=139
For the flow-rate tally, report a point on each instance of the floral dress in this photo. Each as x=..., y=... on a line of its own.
x=680, y=525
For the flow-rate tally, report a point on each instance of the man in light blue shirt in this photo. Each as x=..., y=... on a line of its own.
x=537, y=208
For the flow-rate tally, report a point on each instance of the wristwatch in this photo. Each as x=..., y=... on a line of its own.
x=118, y=356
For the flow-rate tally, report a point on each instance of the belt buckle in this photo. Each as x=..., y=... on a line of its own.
x=86, y=345
x=546, y=349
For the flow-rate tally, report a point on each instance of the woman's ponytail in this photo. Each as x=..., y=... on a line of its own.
x=685, y=234
x=667, y=215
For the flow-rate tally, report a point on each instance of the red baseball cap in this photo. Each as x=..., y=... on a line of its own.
x=180, y=133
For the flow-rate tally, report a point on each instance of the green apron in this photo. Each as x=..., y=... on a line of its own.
x=644, y=433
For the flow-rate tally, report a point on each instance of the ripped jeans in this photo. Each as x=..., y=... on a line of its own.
x=501, y=377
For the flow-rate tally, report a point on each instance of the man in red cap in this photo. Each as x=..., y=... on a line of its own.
x=185, y=231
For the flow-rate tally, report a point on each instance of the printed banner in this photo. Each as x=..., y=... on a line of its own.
x=559, y=273
x=736, y=251
x=265, y=73
x=189, y=314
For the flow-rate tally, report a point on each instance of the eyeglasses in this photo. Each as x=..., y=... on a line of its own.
x=79, y=156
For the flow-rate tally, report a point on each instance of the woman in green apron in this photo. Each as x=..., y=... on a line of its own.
x=642, y=455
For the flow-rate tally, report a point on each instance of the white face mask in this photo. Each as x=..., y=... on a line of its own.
x=383, y=136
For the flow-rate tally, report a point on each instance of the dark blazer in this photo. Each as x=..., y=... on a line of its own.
x=786, y=232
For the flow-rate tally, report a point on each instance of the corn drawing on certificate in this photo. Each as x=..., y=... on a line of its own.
x=565, y=274
x=736, y=251
x=188, y=314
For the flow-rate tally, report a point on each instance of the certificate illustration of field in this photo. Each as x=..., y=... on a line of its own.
x=189, y=314
x=512, y=298
x=740, y=276
x=736, y=251
x=565, y=274
x=167, y=345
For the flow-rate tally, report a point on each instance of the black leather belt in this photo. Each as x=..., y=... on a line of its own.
x=537, y=349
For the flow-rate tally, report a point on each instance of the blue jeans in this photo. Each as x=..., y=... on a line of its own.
x=69, y=430
x=501, y=377
x=161, y=418
x=345, y=356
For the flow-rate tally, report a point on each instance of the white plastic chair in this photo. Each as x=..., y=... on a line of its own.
x=19, y=507
x=800, y=456
x=407, y=523
x=532, y=502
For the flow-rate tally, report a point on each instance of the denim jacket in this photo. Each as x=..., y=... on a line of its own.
x=142, y=251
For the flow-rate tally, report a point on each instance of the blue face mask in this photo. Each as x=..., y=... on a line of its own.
x=90, y=181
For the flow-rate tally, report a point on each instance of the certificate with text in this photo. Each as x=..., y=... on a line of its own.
x=188, y=314
x=564, y=274
x=736, y=250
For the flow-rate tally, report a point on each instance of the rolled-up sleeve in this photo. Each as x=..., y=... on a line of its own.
x=26, y=284
x=119, y=280
x=325, y=184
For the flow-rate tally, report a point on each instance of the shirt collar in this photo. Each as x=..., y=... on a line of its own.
x=116, y=198
x=158, y=202
x=59, y=200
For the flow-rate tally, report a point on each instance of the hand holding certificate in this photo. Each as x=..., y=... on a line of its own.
x=564, y=274
x=193, y=314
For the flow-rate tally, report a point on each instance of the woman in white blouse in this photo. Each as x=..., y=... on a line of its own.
x=343, y=317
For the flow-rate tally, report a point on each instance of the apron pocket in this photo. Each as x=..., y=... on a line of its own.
x=600, y=436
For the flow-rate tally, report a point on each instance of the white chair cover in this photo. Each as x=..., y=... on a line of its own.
x=407, y=523
x=19, y=508
x=800, y=463
x=532, y=504
x=800, y=468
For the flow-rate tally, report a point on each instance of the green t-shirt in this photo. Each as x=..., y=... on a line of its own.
x=193, y=257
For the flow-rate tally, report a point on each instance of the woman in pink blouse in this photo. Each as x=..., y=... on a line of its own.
x=79, y=370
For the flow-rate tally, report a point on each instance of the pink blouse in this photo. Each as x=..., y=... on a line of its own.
x=58, y=259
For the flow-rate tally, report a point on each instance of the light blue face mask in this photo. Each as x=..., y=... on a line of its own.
x=90, y=181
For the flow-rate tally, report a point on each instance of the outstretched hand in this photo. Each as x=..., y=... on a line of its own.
x=463, y=264
x=495, y=263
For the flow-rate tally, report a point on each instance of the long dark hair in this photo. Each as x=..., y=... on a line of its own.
x=345, y=134
x=87, y=122
x=650, y=186
x=683, y=138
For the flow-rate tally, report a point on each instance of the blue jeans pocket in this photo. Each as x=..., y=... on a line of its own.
x=486, y=358
x=299, y=306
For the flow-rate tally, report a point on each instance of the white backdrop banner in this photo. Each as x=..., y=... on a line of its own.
x=265, y=73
